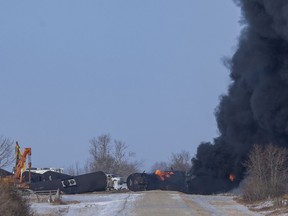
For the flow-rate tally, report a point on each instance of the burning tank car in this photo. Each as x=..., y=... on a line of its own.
x=168, y=180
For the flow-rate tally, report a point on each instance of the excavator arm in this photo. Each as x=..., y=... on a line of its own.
x=21, y=163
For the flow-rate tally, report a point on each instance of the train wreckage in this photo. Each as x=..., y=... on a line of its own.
x=159, y=180
x=54, y=179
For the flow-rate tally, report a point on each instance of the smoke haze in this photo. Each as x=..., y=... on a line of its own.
x=255, y=109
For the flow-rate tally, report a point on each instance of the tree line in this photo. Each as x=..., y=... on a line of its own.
x=113, y=156
x=108, y=155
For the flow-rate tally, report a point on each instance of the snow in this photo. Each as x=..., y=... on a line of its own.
x=89, y=205
x=218, y=205
x=130, y=203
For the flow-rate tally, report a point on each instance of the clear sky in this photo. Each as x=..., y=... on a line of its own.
x=149, y=73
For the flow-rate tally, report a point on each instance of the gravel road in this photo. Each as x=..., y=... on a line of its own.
x=168, y=203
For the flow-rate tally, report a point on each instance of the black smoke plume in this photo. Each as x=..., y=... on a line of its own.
x=255, y=109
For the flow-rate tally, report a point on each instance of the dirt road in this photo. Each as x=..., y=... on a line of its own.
x=168, y=203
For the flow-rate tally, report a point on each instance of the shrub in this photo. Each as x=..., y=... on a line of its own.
x=12, y=203
x=267, y=173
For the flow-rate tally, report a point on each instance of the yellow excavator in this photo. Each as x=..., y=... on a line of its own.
x=19, y=168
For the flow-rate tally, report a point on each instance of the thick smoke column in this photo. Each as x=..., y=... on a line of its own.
x=255, y=110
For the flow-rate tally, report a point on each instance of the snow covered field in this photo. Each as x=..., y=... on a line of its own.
x=89, y=205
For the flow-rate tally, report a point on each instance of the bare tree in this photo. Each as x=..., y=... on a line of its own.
x=177, y=161
x=6, y=152
x=74, y=170
x=180, y=161
x=124, y=163
x=100, y=150
x=111, y=158
x=267, y=172
x=163, y=166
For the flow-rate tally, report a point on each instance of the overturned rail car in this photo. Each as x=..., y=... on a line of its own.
x=96, y=181
x=168, y=180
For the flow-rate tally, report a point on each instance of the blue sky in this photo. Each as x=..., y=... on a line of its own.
x=149, y=73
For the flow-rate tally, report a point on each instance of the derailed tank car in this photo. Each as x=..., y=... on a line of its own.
x=90, y=182
x=168, y=180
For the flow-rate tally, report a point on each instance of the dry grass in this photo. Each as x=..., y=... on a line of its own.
x=268, y=207
x=12, y=203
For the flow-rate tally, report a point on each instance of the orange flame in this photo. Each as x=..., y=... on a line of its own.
x=232, y=177
x=163, y=175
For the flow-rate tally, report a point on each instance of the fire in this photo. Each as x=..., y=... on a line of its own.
x=163, y=175
x=232, y=177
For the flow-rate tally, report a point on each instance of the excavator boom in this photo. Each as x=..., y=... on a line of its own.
x=22, y=163
x=20, y=166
